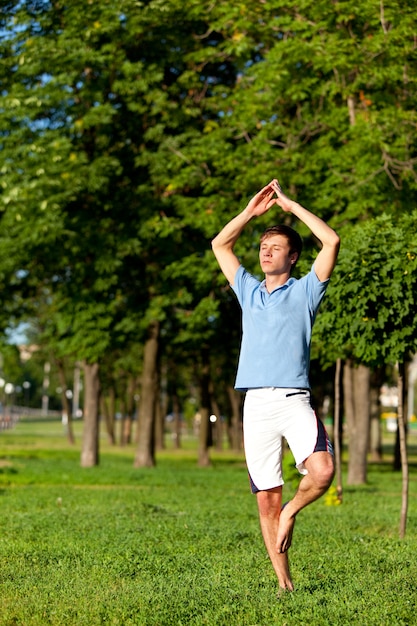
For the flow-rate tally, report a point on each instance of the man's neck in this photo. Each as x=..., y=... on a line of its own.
x=273, y=281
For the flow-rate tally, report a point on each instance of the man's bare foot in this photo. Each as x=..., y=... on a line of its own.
x=283, y=590
x=285, y=530
x=282, y=569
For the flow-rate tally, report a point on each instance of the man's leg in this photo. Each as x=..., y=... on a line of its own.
x=320, y=467
x=269, y=507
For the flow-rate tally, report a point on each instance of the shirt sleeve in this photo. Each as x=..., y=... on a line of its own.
x=315, y=290
x=244, y=284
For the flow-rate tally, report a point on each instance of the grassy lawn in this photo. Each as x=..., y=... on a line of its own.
x=181, y=545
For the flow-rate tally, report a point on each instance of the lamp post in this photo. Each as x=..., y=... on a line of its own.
x=45, y=386
x=2, y=383
x=77, y=388
x=26, y=387
x=8, y=390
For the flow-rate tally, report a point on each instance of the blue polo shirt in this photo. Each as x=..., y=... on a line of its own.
x=276, y=330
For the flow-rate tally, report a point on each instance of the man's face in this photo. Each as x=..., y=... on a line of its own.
x=274, y=255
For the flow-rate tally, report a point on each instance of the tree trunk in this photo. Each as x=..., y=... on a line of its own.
x=90, y=453
x=176, y=411
x=337, y=429
x=403, y=448
x=356, y=391
x=160, y=413
x=145, y=452
x=204, y=434
x=111, y=426
x=126, y=430
x=403, y=401
x=375, y=434
x=217, y=426
x=66, y=409
x=162, y=407
x=129, y=411
x=236, y=432
x=107, y=410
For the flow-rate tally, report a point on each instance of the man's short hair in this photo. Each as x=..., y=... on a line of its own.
x=294, y=240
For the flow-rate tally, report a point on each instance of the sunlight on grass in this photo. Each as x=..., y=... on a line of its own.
x=180, y=545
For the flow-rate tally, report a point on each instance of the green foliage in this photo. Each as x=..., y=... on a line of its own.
x=310, y=106
x=132, y=132
x=370, y=312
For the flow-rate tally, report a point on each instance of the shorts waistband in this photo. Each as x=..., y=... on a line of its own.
x=283, y=392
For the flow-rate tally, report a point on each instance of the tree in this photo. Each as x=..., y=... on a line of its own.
x=87, y=220
x=66, y=168
x=370, y=311
x=131, y=134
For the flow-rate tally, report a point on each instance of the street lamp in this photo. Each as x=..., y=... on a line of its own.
x=8, y=390
x=26, y=387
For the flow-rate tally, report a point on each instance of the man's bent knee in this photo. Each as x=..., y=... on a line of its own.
x=320, y=466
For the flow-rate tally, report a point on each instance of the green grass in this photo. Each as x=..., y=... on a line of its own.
x=180, y=545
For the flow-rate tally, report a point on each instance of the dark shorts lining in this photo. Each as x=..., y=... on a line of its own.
x=323, y=443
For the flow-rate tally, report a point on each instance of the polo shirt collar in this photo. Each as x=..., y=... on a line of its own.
x=263, y=288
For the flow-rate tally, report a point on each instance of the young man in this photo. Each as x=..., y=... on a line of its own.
x=277, y=317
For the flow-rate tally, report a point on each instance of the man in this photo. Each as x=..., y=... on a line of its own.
x=277, y=318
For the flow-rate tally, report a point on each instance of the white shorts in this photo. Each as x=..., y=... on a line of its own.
x=269, y=414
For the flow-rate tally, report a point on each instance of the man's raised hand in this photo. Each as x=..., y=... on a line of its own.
x=282, y=200
x=262, y=201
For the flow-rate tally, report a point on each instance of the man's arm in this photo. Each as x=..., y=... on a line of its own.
x=326, y=258
x=223, y=244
